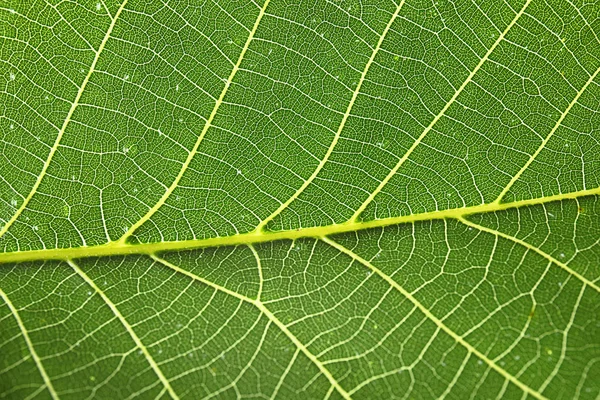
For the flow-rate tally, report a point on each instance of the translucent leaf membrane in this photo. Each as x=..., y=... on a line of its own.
x=310, y=199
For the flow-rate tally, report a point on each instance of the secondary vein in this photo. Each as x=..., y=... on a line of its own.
x=263, y=309
x=334, y=142
x=34, y=355
x=533, y=248
x=207, y=125
x=545, y=141
x=459, y=339
x=437, y=117
x=62, y=130
x=129, y=329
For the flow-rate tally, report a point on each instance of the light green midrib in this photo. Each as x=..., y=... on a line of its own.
x=118, y=248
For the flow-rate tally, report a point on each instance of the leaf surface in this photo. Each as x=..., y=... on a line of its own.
x=313, y=199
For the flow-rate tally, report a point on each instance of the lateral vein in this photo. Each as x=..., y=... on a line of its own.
x=128, y=327
x=207, y=125
x=389, y=176
x=459, y=339
x=34, y=355
x=258, y=304
x=61, y=132
x=545, y=141
x=355, y=94
x=533, y=248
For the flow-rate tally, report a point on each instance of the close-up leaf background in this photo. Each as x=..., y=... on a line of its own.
x=313, y=199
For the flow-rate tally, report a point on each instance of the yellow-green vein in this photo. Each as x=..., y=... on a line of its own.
x=393, y=171
x=323, y=161
x=34, y=355
x=269, y=315
x=61, y=132
x=128, y=327
x=117, y=248
x=459, y=339
x=545, y=141
x=207, y=125
x=532, y=248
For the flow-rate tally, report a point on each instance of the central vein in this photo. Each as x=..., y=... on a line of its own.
x=260, y=236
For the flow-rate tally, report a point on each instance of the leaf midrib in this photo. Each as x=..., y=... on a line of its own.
x=116, y=248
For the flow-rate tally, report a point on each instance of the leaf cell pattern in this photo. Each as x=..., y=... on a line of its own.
x=310, y=199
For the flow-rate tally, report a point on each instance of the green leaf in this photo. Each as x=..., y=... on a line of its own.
x=310, y=199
